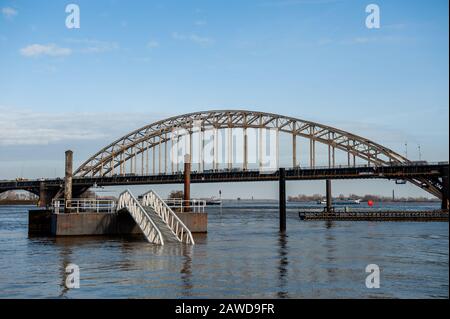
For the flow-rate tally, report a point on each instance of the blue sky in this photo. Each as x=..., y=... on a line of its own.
x=133, y=62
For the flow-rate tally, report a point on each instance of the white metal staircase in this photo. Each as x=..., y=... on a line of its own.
x=167, y=220
x=141, y=217
x=156, y=219
x=166, y=232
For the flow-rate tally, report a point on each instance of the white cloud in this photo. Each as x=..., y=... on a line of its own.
x=101, y=47
x=92, y=46
x=53, y=50
x=200, y=23
x=193, y=38
x=395, y=26
x=152, y=44
x=9, y=12
x=363, y=40
x=84, y=46
x=324, y=41
x=26, y=127
x=381, y=40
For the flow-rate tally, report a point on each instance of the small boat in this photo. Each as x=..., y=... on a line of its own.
x=337, y=201
x=212, y=201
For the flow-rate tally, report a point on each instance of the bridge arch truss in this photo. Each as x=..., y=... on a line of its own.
x=153, y=143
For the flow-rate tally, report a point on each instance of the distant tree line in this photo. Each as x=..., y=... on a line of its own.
x=376, y=198
x=176, y=195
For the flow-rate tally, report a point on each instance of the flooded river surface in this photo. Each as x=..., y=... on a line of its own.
x=242, y=256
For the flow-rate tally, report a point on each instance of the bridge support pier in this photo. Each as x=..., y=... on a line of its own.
x=45, y=197
x=328, y=196
x=445, y=199
x=42, y=195
x=187, y=182
x=282, y=199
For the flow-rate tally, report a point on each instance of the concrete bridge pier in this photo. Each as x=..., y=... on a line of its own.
x=328, y=196
x=282, y=199
x=445, y=197
x=45, y=195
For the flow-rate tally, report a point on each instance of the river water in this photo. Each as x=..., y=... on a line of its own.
x=242, y=256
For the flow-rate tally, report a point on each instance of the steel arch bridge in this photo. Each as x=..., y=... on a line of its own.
x=130, y=154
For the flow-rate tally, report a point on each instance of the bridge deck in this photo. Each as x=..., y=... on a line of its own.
x=404, y=171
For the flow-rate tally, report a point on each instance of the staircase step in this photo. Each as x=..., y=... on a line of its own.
x=166, y=232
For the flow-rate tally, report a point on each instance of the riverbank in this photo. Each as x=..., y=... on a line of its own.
x=18, y=202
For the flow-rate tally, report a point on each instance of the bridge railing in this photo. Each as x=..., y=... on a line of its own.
x=168, y=216
x=181, y=205
x=84, y=205
x=12, y=184
x=298, y=167
x=140, y=216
